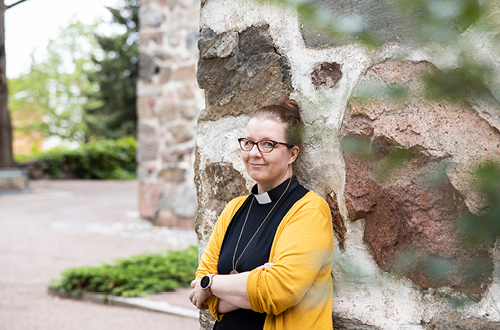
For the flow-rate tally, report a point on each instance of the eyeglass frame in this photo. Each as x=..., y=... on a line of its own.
x=256, y=143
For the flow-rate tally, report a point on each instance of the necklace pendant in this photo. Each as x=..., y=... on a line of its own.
x=233, y=272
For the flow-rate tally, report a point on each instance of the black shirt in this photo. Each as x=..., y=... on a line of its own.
x=257, y=251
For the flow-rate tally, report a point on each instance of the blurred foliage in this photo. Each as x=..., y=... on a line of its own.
x=48, y=101
x=477, y=232
x=105, y=159
x=83, y=89
x=111, y=111
x=484, y=228
x=135, y=276
x=467, y=34
x=454, y=27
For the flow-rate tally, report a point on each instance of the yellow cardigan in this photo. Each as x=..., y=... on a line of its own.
x=297, y=292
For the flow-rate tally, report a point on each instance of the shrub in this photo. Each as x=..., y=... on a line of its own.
x=106, y=159
x=138, y=275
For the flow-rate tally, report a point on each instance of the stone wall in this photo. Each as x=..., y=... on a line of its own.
x=253, y=54
x=169, y=102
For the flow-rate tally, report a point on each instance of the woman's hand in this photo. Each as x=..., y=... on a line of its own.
x=266, y=265
x=198, y=296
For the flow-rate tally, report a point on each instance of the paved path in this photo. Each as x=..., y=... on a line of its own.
x=63, y=224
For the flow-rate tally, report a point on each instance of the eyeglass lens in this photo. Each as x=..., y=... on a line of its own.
x=263, y=146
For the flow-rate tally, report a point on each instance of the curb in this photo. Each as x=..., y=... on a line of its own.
x=141, y=303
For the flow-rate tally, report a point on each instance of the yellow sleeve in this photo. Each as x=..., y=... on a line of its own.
x=302, y=252
x=210, y=257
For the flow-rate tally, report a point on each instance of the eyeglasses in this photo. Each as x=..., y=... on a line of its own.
x=264, y=146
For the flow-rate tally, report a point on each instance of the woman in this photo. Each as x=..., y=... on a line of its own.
x=268, y=262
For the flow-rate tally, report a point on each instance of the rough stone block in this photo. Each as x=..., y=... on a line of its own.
x=255, y=40
x=186, y=92
x=378, y=16
x=410, y=217
x=173, y=174
x=185, y=73
x=169, y=219
x=149, y=194
x=167, y=113
x=181, y=133
x=337, y=219
x=189, y=112
x=150, y=16
x=174, y=155
x=165, y=74
x=221, y=47
x=146, y=68
x=327, y=74
x=145, y=107
x=253, y=77
x=152, y=36
x=148, y=144
x=192, y=42
x=230, y=184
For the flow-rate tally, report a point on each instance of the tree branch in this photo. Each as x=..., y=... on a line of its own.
x=13, y=4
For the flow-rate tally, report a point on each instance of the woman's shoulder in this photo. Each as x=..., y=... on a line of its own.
x=312, y=197
x=237, y=201
x=235, y=204
x=314, y=201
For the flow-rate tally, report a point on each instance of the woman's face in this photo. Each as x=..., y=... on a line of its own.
x=268, y=169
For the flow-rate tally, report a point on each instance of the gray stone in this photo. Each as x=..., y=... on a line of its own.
x=155, y=36
x=146, y=68
x=148, y=144
x=189, y=112
x=192, y=42
x=454, y=322
x=165, y=74
x=145, y=107
x=179, y=198
x=221, y=47
x=173, y=174
x=253, y=77
x=340, y=323
x=181, y=133
x=167, y=113
x=174, y=155
x=171, y=4
x=149, y=195
x=213, y=198
x=231, y=184
x=186, y=73
x=207, y=321
x=150, y=16
x=381, y=17
x=256, y=40
x=147, y=151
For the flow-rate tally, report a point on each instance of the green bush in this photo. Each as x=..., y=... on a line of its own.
x=106, y=159
x=138, y=275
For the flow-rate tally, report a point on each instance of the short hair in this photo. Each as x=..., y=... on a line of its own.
x=287, y=113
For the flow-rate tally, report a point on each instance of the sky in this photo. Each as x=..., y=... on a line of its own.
x=30, y=25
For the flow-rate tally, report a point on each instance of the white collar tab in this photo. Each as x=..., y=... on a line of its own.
x=263, y=198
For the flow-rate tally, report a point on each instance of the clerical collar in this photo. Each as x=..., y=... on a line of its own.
x=275, y=193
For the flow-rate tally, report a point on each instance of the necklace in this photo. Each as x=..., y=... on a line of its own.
x=243, y=228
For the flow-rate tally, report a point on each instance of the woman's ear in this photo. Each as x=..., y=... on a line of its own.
x=294, y=154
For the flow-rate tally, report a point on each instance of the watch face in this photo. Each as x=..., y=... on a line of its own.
x=205, y=280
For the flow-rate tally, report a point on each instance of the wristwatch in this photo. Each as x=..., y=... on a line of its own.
x=206, y=282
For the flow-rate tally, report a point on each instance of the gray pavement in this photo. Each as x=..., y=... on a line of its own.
x=62, y=224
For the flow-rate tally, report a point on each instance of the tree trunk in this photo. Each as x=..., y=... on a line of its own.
x=6, y=156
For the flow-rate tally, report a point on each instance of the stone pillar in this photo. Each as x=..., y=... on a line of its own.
x=253, y=53
x=169, y=102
